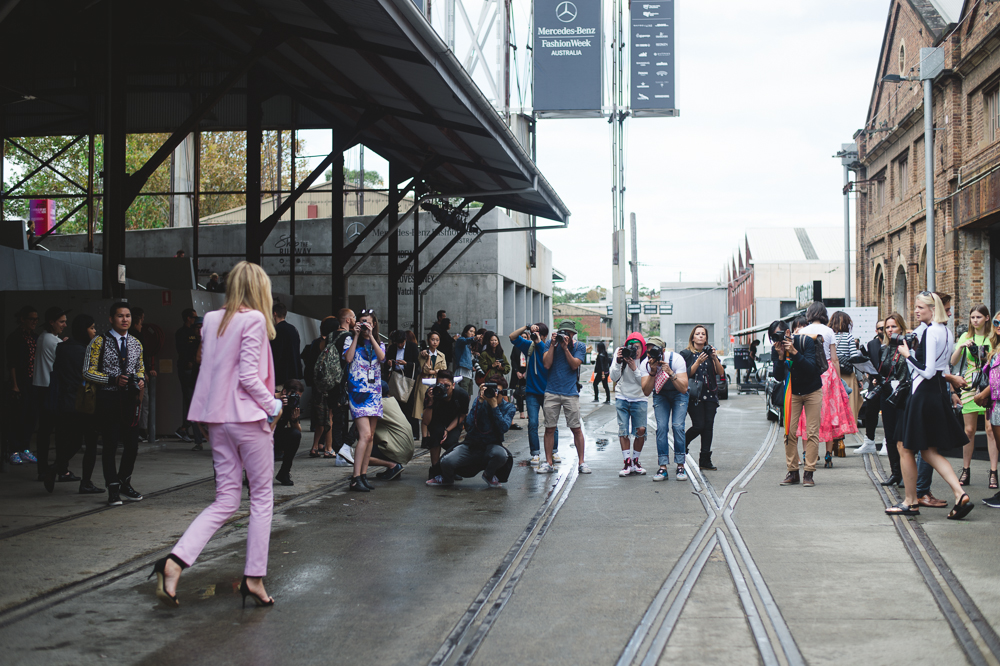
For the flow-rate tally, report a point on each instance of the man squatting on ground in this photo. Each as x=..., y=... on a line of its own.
x=483, y=449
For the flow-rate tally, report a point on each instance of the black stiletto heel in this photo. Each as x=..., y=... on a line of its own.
x=159, y=570
x=246, y=592
x=963, y=478
x=892, y=481
x=994, y=481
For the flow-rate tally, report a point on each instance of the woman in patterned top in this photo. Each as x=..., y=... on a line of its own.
x=364, y=355
x=969, y=355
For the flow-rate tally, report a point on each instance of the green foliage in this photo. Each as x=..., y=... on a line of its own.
x=223, y=168
x=588, y=295
x=351, y=176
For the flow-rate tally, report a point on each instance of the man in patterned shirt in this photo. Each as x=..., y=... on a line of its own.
x=114, y=361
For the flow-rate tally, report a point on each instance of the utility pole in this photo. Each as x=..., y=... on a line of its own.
x=849, y=159
x=618, y=115
x=931, y=64
x=635, y=273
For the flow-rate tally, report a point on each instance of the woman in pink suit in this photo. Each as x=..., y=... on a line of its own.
x=235, y=397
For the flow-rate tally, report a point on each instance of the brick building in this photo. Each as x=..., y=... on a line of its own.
x=891, y=202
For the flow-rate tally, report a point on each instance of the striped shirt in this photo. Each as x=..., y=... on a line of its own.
x=845, y=347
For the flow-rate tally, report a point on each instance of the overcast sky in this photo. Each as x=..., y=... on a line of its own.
x=768, y=91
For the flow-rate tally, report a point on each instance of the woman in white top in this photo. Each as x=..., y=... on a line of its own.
x=836, y=419
x=928, y=422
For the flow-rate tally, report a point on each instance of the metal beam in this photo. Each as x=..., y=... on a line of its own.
x=422, y=275
x=393, y=251
x=338, y=254
x=255, y=135
x=45, y=164
x=267, y=41
x=405, y=264
x=115, y=204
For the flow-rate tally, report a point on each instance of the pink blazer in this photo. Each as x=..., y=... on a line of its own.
x=236, y=380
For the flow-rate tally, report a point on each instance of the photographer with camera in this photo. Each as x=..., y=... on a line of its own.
x=563, y=358
x=364, y=355
x=114, y=361
x=927, y=422
x=871, y=396
x=533, y=347
x=703, y=368
x=971, y=353
x=894, y=389
x=444, y=409
x=793, y=358
x=668, y=382
x=483, y=450
x=628, y=370
x=288, y=432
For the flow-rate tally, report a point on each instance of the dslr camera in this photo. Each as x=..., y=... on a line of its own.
x=910, y=339
x=654, y=353
x=439, y=392
x=707, y=349
x=979, y=352
x=628, y=353
x=562, y=338
x=133, y=383
x=294, y=402
x=492, y=390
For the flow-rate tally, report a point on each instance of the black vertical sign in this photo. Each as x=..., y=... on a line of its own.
x=567, y=57
x=651, y=33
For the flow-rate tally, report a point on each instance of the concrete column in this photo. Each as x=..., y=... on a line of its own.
x=509, y=314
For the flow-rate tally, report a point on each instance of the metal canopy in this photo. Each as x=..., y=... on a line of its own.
x=372, y=70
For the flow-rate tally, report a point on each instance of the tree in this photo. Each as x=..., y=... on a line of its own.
x=351, y=176
x=223, y=169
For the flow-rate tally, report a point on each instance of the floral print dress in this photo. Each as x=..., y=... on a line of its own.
x=364, y=380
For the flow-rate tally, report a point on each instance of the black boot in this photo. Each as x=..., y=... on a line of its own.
x=357, y=485
x=364, y=480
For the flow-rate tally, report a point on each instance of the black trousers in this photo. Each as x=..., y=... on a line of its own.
x=73, y=431
x=188, y=379
x=113, y=410
x=287, y=441
x=339, y=416
x=890, y=419
x=44, y=420
x=487, y=459
x=434, y=439
x=702, y=425
x=601, y=379
x=871, y=416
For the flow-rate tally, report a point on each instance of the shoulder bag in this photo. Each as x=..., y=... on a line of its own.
x=696, y=387
x=401, y=386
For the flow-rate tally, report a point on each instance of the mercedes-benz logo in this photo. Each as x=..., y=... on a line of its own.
x=354, y=230
x=566, y=12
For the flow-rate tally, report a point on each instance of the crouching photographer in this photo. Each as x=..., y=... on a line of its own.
x=483, y=449
x=445, y=406
x=288, y=432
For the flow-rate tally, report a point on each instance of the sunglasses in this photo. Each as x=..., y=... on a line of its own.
x=996, y=322
x=880, y=329
x=367, y=312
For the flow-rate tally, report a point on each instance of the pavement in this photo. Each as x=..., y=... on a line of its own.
x=727, y=567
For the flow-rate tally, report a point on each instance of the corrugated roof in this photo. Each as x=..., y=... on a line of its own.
x=374, y=70
x=779, y=244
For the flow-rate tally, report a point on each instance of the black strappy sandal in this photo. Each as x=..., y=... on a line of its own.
x=159, y=570
x=963, y=478
x=902, y=509
x=994, y=482
x=961, y=509
x=257, y=599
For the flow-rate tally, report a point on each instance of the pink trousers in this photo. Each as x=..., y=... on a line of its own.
x=236, y=446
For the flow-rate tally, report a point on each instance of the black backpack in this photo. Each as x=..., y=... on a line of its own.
x=309, y=356
x=822, y=365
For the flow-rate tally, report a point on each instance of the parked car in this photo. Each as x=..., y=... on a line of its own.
x=771, y=410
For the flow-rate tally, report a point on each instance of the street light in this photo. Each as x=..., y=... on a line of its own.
x=931, y=64
x=848, y=155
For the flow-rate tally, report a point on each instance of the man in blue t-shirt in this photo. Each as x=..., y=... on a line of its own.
x=563, y=358
x=536, y=377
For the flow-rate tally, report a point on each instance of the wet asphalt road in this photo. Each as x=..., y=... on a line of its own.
x=567, y=569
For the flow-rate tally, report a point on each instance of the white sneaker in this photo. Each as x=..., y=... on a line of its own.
x=885, y=449
x=637, y=468
x=555, y=458
x=534, y=461
x=867, y=447
x=627, y=469
x=346, y=453
x=583, y=468
x=545, y=468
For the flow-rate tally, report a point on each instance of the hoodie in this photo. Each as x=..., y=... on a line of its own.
x=628, y=382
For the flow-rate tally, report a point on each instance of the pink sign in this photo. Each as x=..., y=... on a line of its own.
x=43, y=215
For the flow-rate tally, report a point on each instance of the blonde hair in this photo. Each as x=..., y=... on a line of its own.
x=248, y=287
x=934, y=302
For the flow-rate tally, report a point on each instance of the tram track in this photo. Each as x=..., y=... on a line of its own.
x=766, y=623
x=974, y=634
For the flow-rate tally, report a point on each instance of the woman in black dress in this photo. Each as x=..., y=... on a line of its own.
x=602, y=366
x=928, y=422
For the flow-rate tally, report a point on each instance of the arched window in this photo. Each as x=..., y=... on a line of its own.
x=902, y=65
x=879, y=285
x=899, y=295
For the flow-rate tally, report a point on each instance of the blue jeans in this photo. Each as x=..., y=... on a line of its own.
x=924, y=474
x=533, y=401
x=630, y=411
x=663, y=405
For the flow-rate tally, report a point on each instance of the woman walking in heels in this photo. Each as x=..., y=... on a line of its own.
x=364, y=354
x=234, y=396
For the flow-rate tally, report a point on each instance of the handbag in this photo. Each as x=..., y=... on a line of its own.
x=695, y=389
x=86, y=399
x=401, y=386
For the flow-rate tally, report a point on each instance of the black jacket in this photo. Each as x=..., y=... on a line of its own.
x=67, y=373
x=875, y=352
x=285, y=349
x=805, y=375
x=447, y=346
x=410, y=354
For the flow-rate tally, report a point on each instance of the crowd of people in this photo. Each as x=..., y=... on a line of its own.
x=244, y=374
